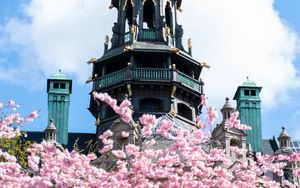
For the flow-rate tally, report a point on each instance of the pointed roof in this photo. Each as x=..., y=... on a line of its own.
x=227, y=105
x=51, y=125
x=283, y=134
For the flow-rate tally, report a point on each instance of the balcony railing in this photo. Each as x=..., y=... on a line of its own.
x=148, y=74
x=188, y=81
x=110, y=79
x=147, y=34
x=151, y=74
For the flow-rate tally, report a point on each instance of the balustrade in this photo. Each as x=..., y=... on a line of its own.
x=148, y=74
x=147, y=34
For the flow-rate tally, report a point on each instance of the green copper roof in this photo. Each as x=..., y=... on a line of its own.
x=59, y=76
x=249, y=83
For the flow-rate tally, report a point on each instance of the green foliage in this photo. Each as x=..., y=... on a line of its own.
x=91, y=146
x=16, y=147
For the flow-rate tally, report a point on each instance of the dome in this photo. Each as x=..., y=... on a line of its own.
x=249, y=83
x=227, y=105
x=59, y=76
x=283, y=134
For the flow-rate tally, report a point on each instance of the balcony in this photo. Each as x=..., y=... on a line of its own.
x=148, y=74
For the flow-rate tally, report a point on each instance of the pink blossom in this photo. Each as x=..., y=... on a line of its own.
x=203, y=100
x=106, y=134
x=199, y=123
x=125, y=134
x=149, y=143
x=1, y=105
x=106, y=148
x=124, y=111
x=125, y=103
x=13, y=105
x=181, y=163
x=119, y=154
x=149, y=121
x=211, y=115
x=34, y=114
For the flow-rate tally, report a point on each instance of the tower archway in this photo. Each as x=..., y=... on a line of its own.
x=149, y=13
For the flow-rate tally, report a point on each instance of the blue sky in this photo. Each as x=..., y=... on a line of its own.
x=38, y=37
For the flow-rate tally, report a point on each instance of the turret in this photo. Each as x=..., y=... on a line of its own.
x=59, y=89
x=284, y=139
x=51, y=132
x=249, y=107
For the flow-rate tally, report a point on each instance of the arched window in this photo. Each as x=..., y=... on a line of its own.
x=235, y=143
x=185, y=111
x=149, y=13
x=151, y=104
x=129, y=12
x=168, y=14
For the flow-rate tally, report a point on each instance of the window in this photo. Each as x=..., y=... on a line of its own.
x=56, y=85
x=63, y=86
x=253, y=93
x=246, y=92
x=149, y=10
x=168, y=13
x=129, y=11
x=185, y=111
x=151, y=104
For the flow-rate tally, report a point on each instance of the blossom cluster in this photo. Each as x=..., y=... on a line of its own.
x=7, y=128
x=184, y=164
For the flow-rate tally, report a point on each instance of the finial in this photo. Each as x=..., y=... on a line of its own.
x=106, y=40
x=204, y=64
x=189, y=41
x=226, y=99
x=59, y=70
x=283, y=129
x=51, y=120
x=247, y=78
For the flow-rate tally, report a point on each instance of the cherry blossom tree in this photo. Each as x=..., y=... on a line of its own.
x=183, y=164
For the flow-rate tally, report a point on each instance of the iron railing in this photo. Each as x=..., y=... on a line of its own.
x=147, y=34
x=148, y=74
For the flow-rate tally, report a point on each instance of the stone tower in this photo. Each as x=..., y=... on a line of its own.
x=147, y=62
x=59, y=89
x=249, y=107
x=224, y=137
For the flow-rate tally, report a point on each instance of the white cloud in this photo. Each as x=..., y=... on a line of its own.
x=238, y=38
x=59, y=34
